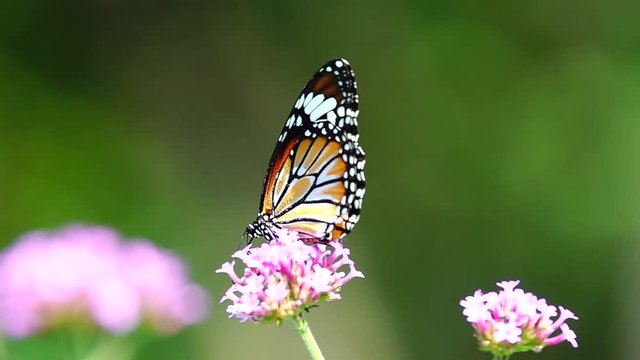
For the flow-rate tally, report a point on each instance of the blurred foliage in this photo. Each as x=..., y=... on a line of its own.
x=502, y=142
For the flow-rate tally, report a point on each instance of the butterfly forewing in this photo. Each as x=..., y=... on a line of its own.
x=315, y=180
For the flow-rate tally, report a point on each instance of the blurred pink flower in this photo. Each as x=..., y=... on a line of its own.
x=285, y=276
x=91, y=274
x=514, y=321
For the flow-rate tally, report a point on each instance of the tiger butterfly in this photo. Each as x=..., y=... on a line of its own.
x=314, y=184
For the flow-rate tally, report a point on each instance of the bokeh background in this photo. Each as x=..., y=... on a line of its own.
x=503, y=141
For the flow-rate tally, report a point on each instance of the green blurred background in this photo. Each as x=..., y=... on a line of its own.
x=502, y=139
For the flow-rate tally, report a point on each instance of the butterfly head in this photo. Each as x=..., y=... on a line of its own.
x=262, y=226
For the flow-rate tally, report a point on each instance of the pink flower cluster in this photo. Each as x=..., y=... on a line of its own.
x=89, y=274
x=514, y=321
x=285, y=276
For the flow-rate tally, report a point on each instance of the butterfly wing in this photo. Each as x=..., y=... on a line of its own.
x=315, y=180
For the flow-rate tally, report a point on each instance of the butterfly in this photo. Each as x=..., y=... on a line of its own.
x=315, y=184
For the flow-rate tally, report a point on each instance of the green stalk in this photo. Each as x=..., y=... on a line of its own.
x=307, y=337
x=4, y=353
x=111, y=347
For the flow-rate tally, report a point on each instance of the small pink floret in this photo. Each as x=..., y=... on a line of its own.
x=285, y=276
x=513, y=320
x=91, y=272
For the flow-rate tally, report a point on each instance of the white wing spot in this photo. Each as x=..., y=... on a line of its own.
x=311, y=105
x=299, y=102
x=331, y=116
x=322, y=109
x=307, y=99
x=282, y=136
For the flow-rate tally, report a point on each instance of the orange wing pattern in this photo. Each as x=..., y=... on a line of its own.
x=315, y=181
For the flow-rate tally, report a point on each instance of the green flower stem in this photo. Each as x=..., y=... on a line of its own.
x=307, y=337
x=77, y=343
x=501, y=357
x=4, y=353
x=89, y=345
x=111, y=347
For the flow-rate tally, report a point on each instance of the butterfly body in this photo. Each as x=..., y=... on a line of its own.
x=315, y=182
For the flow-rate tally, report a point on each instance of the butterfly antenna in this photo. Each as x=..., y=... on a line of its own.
x=246, y=239
x=242, y=239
